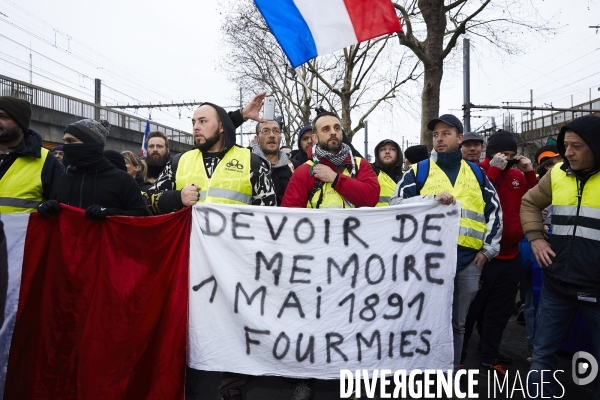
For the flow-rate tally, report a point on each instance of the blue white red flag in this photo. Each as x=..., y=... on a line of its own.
x=144, y=150
x=308, y=28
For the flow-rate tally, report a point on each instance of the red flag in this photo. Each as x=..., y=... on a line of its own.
x=101, y=317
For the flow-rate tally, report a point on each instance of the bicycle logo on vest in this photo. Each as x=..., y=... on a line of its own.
x=234, y=164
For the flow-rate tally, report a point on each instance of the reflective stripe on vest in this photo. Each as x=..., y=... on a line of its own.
x=564, y=206
x=21, y=185
x=387, y=188
x=331, y=198
x=466, y=189
x=230, y=181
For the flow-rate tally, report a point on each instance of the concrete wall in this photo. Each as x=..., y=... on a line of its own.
x=51, y=125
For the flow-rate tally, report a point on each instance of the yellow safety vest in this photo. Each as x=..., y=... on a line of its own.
x=575, y=228
x=21, y=186
x=230, y=181
x=331, y=198
x=388, y=187
x=466, y=189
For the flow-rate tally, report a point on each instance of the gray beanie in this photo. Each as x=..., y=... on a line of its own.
x=89, y=130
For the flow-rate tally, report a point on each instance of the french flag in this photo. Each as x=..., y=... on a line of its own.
x=144, y=149
x=309, y=28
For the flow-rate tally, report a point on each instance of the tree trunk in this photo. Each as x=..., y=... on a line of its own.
x=430, y=99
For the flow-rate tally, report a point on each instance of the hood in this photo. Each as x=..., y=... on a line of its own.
x=228, y=127
x=303, y=130
x=31, y=145
x=588, y=128
x=383, y=143
x=283, y=158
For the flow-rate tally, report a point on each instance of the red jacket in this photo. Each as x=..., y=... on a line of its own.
x=362, y=191
x=511, y=185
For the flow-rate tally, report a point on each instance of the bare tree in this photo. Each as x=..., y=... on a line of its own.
x=353, y=82
x=442, y=22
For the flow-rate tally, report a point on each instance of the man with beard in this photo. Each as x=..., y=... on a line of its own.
x=333, y=177
x=388, y=167
x=158, y=154
x=27, y=170
x=268, y=136
x=158, y=144
x=92, y=182
x=446, y=177
x=217, y=171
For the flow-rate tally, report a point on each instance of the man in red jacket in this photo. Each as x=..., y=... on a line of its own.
x=500, y=277
x=332, y=178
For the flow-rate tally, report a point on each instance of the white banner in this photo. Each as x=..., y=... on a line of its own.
x=15, y=229
x=305, y=293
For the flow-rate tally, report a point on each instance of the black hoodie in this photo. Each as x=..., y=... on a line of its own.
x=100, y=183
x=394, y=172
x=587, y=128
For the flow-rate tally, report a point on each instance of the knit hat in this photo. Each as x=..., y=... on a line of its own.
x=500, y=141
x=116, y=159
x=89, y=130
x=19, y=110
x=417, y=153
x=546, y=152
x=57, y=148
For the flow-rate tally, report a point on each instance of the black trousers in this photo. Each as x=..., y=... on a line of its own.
x=494, y=304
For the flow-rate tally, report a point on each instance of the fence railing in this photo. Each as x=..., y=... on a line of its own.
x=558, y=118
x=60, y=102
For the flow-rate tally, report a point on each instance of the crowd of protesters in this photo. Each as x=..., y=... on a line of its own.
x=502, y=201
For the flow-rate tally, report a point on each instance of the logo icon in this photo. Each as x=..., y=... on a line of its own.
x=235, y=163
x=584, y=367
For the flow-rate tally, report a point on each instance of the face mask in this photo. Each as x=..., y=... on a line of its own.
x=81, y=155
x=510, y=164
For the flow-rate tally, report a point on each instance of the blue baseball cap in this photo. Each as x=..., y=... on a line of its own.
x=448, y=119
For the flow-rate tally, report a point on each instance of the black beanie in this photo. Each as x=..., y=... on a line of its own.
x=116, y=159
x=89, y=130
x=417, y=153
x=19, y=110
x=500, y=141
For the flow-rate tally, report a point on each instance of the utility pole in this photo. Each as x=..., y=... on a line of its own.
x=241, y=126
x=30, y=65
x=466, y=86
x=366, y=140
x=531, y=102
x=97, y=98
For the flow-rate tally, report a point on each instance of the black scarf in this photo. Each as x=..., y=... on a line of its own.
x=84, y=155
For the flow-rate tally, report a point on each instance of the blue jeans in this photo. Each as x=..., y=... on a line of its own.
x=466, y=285
x=553, y=318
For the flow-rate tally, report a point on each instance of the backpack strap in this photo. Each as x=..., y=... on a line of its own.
x=478, y=173
x=421, y=175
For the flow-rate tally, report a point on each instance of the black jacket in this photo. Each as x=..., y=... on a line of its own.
x=102, y=184
x=31, y=146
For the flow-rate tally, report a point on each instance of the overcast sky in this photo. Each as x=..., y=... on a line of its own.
x=169, y=51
